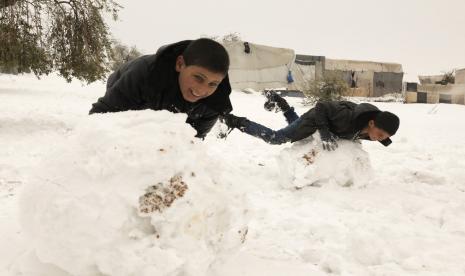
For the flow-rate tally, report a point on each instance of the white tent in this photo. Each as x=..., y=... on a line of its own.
x=262, y=67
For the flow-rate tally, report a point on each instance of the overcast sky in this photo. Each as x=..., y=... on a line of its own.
x=425, y=36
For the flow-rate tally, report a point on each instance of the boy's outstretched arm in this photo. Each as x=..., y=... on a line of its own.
x=203, y=125
x=324, y=111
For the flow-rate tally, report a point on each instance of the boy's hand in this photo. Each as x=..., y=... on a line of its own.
x=233, y=121
x=328, y=139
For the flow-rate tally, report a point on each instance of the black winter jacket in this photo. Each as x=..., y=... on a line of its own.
x=343, y=118
x=151, y=82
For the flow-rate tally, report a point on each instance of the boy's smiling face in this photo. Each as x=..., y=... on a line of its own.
x=196, y=82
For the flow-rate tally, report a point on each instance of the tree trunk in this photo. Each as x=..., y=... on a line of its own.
x=7, y=3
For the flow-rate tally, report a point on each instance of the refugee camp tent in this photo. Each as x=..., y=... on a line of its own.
x=261, y=67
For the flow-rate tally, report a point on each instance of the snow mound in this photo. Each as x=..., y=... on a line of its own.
x=305, y=163
x=131, y=193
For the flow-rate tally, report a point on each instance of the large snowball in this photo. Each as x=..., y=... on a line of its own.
x=82, y=209
x=306, y=164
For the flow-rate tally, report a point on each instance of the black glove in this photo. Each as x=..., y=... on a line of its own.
x=328, y=139
x=233, y=121
x=269, y=106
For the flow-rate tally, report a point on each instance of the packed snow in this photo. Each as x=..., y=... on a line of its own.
x=134, y=193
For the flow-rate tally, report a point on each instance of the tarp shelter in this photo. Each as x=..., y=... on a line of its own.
x=367, y=78
x=261, y=67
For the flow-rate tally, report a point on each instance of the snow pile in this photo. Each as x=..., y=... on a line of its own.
x=307, y=164
x=131, y=193
x=89, y=181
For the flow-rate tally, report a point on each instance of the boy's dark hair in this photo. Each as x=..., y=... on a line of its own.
x=387, y=121
x=207, y=53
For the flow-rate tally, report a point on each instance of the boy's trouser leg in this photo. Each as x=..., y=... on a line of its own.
x=266, y=134
x=290, y=115
x=270, y=136
x=302, y=127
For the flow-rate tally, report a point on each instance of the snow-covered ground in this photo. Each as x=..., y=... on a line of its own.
x=71, y=185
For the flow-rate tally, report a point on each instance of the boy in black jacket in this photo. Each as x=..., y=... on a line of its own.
x=188, y=77
x=333, y=120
